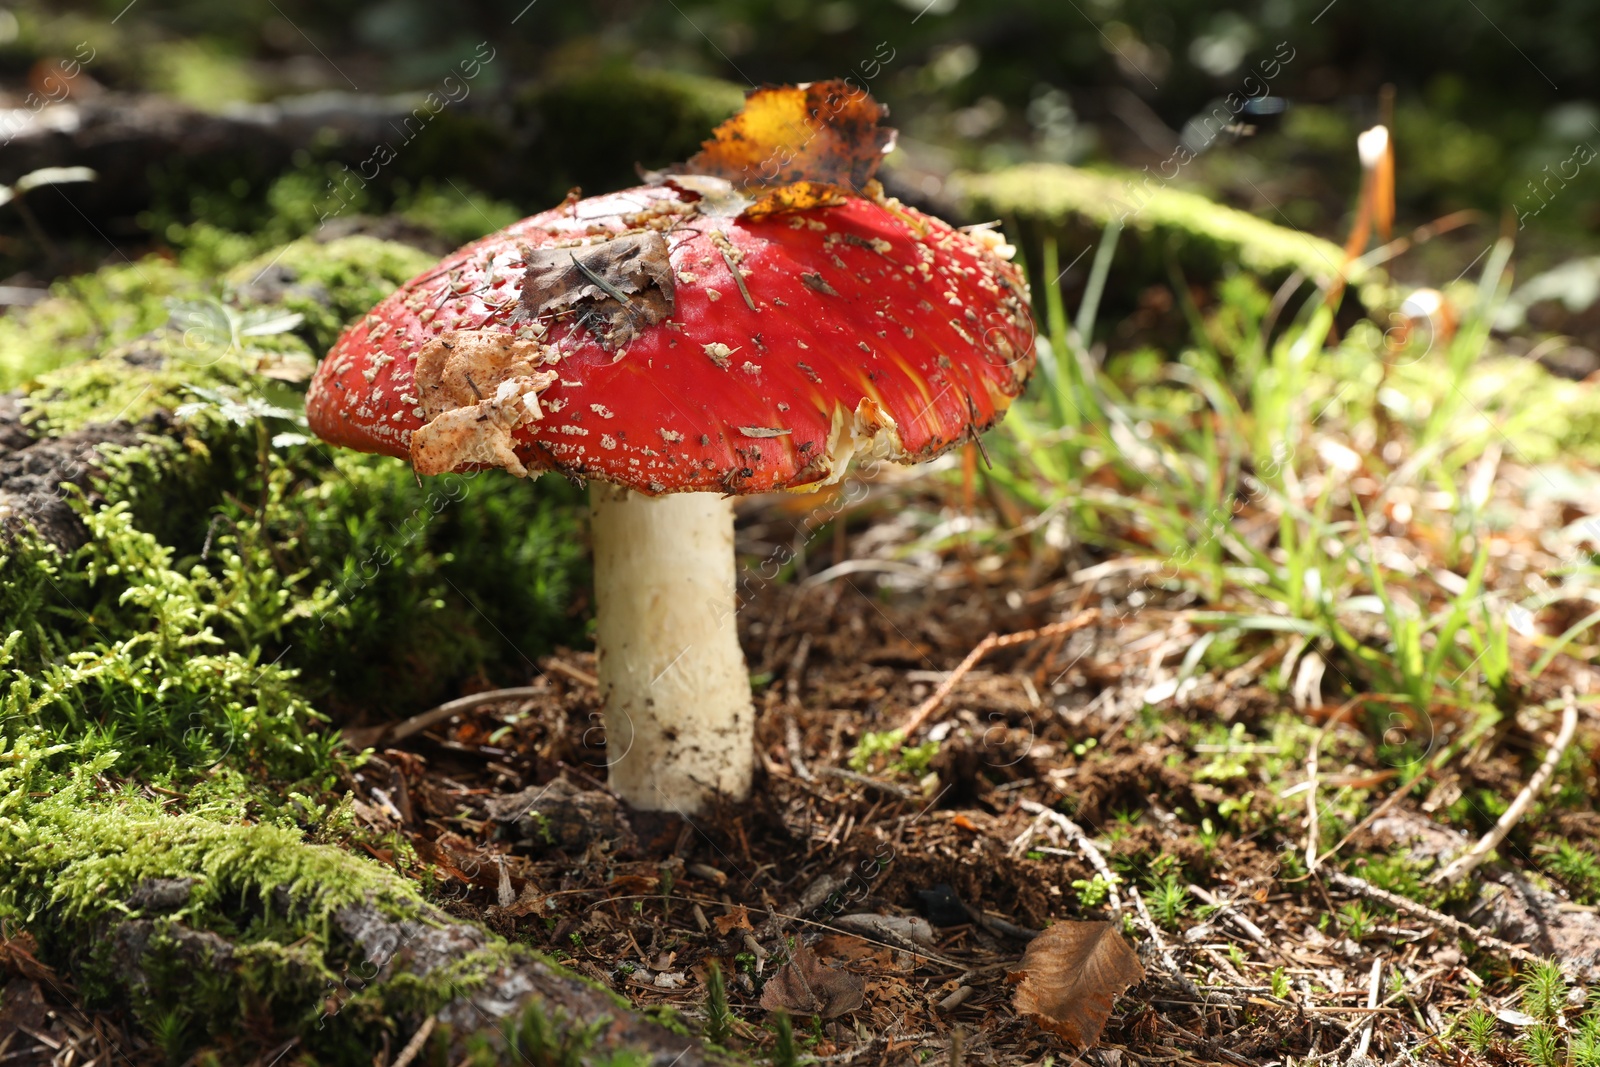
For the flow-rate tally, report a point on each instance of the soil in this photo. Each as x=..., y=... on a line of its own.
x=503, y=812
x=32, y=470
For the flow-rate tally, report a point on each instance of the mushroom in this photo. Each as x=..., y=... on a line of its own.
x=748, y=322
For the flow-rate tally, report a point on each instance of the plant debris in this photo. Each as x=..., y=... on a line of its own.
x=1070, y=977
x=619, y=286
x=807, y=986
x=826, y=133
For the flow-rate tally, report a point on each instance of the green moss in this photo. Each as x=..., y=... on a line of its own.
x=238, y=588
x=116, y=649
x=457, y=215
x=201, y=74
x=329, y=284
x=75, y=857
x=86, y=314
x=226, y=541
x=1083, y=202
x=129, y=384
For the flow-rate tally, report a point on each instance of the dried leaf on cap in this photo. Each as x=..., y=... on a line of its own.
x=825, y=132
x=619, y=287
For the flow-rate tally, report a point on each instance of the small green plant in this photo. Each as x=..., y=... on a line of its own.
x=1092, y=892
x=914, y=760
x=1577, y=869
x=1236, y=809
x=1280, y=983
x=542, y=1041
x=1544, y=990
x=1355, y=920
x=1479, y=1026
x=785, y=1053
x=1291, y=864
x=1585, y=1046
x=169, y=1031
x=1165, y=865
x=1542, y=1045
x=1398, y=873
x=719, y=1019
x=1169, y=901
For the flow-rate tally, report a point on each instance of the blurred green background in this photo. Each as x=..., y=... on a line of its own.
x=1487, y=94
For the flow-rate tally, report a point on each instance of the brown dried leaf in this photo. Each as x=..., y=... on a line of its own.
x=798, y=196
x=1069, y=977
x=853, y=949
x=826, y=132
x=619, y=287
x=736, y=918
x=805, y=986
x=475, y=387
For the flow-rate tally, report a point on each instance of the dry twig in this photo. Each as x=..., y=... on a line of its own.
x=418, y=723
x=1475, y=855
x=414, y=1046
x=1087, y=847
x=917, y=718
x=1359, y=886
x=1372, y=1004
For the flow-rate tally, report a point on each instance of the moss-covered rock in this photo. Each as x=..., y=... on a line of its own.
x=87, y=314
x=193, y=594
x=1076, y=205
x=241, y=933
x=327, y=284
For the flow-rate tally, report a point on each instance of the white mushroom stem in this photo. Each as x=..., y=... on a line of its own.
x=680, y=725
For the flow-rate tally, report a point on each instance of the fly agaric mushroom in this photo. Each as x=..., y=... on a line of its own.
x=747, y=322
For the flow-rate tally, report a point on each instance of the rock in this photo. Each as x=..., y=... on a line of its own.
x=899, y=930
x=32, y=472
x=161, y=894
x=1513, y=908
x=145, y=949
x=502, y=982
x=564, y=815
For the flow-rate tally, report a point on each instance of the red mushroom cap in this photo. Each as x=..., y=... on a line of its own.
x=681, y=336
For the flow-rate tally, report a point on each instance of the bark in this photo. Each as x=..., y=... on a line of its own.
x=123, y=136
x=475, y=982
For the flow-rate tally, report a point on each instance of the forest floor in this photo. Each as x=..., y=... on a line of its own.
x=925, y=869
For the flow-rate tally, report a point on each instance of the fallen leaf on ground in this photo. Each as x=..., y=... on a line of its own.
x=736, y=918
x=806, y=986
x=1069, y=977
x=849, y=948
